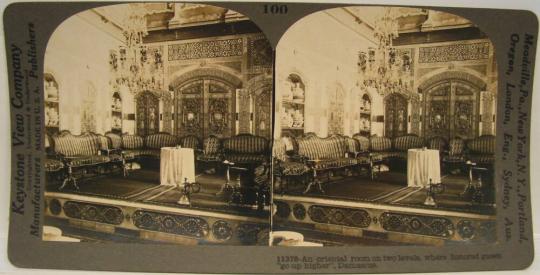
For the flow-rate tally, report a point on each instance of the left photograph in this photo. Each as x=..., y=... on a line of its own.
x=158, y=122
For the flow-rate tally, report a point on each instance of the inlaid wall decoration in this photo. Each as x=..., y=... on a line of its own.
x=452, y=110
x=259, y=54
x=189, y=109
x=262, y=121
x=488, y=123
x=88, y=110
x=336, y=110
x=147, y=117
x=206, y=49
x=454, y=52
x=396, y=115
x=204, y=107
x=260, y=89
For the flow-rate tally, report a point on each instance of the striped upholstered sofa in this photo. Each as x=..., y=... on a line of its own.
x=325, y=154
x=246, y=149
x=287, y=166
x=135, y=147
x=79, y=150
x=53, y=165
x=396, y=148
x=79, y=153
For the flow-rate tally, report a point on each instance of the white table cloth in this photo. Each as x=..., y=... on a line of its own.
x=176, y=165
x=423, y=165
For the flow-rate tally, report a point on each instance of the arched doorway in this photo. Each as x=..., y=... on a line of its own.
x=396, y=114
x=204, y=107
x=147, y=104
x=452, y=109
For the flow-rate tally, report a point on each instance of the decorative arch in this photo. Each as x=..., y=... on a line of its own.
x=466, y=75
x=205, y=101
x=216, y=72
x=451, y=101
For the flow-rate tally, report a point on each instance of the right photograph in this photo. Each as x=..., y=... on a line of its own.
x=384, y=130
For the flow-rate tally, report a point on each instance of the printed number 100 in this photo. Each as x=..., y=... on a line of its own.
x=275, y=9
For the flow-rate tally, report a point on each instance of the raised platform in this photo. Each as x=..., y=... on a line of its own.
x=139, y=204
x=387, y=211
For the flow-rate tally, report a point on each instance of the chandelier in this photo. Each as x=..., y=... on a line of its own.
x=134, y=64
x=384, y=67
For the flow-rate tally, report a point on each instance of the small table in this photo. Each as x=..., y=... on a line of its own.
x=176, y=165
x=423, y=165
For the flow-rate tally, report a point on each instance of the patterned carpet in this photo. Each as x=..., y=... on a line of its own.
x=391, y=188
x=143, y=186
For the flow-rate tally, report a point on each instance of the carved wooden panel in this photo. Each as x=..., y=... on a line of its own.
x=147, y=114
x=205, y=107
x=189, y=109
x=452, y=110
x=437, y=121
x=263, y=113
x=220, y=106
x=396, y=115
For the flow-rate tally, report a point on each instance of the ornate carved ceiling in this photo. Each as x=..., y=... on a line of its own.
x=173, y=15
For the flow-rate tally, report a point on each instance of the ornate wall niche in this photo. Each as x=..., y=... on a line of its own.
x=116, y=113
x=52, y=104
x=293, y=105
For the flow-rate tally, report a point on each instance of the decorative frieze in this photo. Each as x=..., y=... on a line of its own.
x=260, y=54
x=417, y=224
x=206, y=49
x=93, y=212
x=455, y=52
x=339, y=216
x=170, y=223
